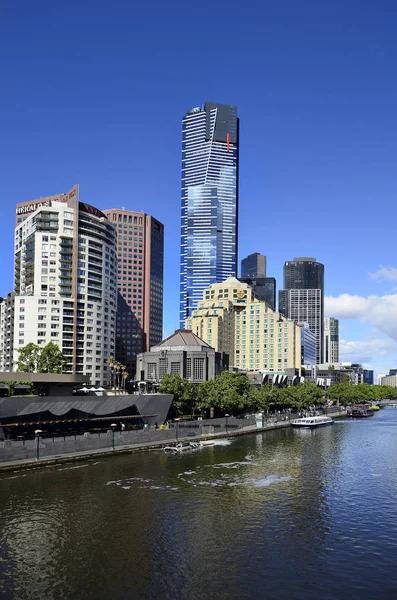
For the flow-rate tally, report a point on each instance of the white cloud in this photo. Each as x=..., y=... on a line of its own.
x=380, y=311
x=388, y=273
x=366, y=351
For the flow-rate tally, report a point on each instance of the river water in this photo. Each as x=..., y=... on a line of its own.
x=287, y=514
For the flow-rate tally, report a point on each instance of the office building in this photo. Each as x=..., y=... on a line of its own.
x=184, y=354
x=368, y=376
x=308, y=345
x=140, y=254
x=231, y=319
x=264, y=288
x=253, y=266
x=388, y=380
x=209, y=201
x=380, y=377
x=302, y=298
x=65, y=282
x=331, y=340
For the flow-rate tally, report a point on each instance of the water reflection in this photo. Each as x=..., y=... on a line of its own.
x=267, y=516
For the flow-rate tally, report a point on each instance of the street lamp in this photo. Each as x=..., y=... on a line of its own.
x=113, y=425
x=226, y=421
x=37, y=434
x=176, y=428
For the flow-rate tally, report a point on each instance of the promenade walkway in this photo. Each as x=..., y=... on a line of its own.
x=32, y=463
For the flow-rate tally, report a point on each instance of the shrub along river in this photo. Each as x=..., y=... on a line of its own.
x=285, y=514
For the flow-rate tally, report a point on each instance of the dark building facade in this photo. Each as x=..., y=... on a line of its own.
x=368, y=376
x=302, y=298
x=140, y=254
x=253, y=266
x=265, y=288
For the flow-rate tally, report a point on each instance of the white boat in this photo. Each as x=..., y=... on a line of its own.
x=311, y=422
x=182, y=447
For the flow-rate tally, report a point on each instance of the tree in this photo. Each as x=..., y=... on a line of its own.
x=111, y=364
x=28, y=358
x=173, y=384
x=230, y=392
x=51, y=359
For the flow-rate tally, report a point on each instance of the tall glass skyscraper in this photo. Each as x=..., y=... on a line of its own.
x=209, y=207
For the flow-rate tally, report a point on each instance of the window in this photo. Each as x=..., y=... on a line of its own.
x=198, y=369
x=175, y=368
x=163, y=366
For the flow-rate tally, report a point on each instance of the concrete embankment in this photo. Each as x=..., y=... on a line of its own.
x=17, y=456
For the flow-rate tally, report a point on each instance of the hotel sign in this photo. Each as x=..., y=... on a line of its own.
x=28, y=208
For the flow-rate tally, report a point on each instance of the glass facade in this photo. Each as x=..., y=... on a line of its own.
x=308, y=345
x=253, y=266
x=368, y=376
x=209, y=201
x=264, y=288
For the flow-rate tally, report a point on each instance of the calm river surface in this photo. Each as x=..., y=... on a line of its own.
x=287, y=514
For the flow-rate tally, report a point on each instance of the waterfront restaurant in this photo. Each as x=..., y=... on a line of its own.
x=21, y=416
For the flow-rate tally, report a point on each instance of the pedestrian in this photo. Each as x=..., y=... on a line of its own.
x=156, y=426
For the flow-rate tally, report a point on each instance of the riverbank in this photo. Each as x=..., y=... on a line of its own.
x=75, y=456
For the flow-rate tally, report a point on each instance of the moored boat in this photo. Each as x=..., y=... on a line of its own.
x=359, y=411
x=311, y=422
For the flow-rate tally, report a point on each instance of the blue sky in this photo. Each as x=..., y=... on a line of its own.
x=94, y=92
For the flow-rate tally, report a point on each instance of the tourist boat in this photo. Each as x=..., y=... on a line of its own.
x=182, y=447
x=311, y=422
x=359, y=411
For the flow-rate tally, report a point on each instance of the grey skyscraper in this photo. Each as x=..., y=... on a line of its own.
x=209, y=201
x=254, y=265
x=302, y=298
x=331, y=340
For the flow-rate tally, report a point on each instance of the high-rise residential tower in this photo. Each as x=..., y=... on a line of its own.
x=65, y=282
x=209, y=201
x=253, y=266
x=331, y=340
x=140, y=254
x=302, y=298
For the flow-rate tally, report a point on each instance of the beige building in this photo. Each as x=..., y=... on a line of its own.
x=231, y=319
x=389, y=380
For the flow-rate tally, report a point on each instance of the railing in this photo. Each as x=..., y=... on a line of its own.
x=29, y=447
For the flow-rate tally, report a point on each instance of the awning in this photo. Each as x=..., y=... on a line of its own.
x=21, y=386
x=4, y=386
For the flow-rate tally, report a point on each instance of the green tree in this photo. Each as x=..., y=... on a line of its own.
x=230, y=392
x=184, y=392
x=51, y=359
x=28, y=358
